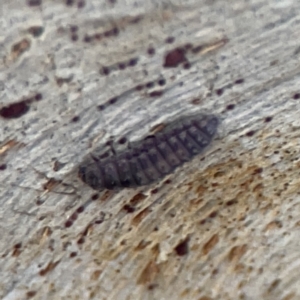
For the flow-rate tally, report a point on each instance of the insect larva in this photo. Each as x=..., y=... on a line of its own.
x=154, y=157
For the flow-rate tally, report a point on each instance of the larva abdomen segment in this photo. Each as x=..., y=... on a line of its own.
x=154, y=157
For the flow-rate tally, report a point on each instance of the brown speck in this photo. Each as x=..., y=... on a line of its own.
x=149, y=273
x=95, y=197
x=182, y=248
x=68, y=223
x=156, y=93
x=174, y=58
x=112, y=32
x=49, y=267
x=230, y=106
x=219, y=92
x=296, y=96
x=73, y=254
x=31, y=294
x=210, y=244
x=154, y=191
x=34, y=2
x=268, y=119
x=128, y=208
x=239, y=81
x=198, y=48
x=231, y=202
x=3, y=167
x=20, y=47
x=98, y=36
x=237, y=252
x=81, y=240
x=100, y=107
x=196, y=101
x=213, y=214
x=14, y=110
x=36, y=31
x=250, y=133
x=151, y=51
x=137, y=198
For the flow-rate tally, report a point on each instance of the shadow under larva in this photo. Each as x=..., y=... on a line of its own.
x=153, y=157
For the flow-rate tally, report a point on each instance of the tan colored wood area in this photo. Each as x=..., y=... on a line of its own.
x=75, y=74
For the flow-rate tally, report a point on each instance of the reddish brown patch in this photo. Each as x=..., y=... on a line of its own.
x=14, y=110
x=208, y=246
x=183, y=247
x=20, y=47
x=174, y=58
x=149, y=273
x=237, y=252
x=49, y=268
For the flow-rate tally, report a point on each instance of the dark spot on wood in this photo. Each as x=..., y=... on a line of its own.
x=137, y=198
x=230, y=106
x=112, y=32
x=296, y=96
x=213, y=214
x=268, y=119
x=219, y=92
x=196, y=101
x=14, y=110
x=80, y=209
x=87, y=39
x=98, y=36
x=75, y=119
x=34, y=2
x=101, y=107
x=74, y=28
x=36, y=31
x=113, y=100
x=30, y=294
x=132, y=62
x=122, y=66
x=49, y=268
x=81, y=240
x=3, y=167
x=250, y=133
x=198, y=48
x=154, y=191
x=231, y=202
x=128, y=208
x=74, y=37
x=139, y=87
x=182, y=248
x=186, y=65
x=170, y=40
x=156, y=94
x=105, y=71
x=20, y=47
x=38, y=97
x=151, y=51
x=161, y=82
x=69, y=2
x=81, y=4
x=239, y=81
x=258, y=171
x=68, y=223
x=150, y=85
x=73, y=254
x=122, y=140
x=174, y=58
x=95, y=197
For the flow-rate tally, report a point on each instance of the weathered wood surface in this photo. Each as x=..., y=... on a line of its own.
x=226, y=225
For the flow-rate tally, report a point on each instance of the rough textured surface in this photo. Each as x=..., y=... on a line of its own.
x=74, y=74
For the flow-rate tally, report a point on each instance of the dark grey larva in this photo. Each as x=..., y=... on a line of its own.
x=154, y=157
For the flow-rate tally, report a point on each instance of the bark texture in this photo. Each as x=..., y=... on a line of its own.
x=77, y=74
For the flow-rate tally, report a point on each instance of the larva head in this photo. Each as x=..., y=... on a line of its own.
x=92, y=176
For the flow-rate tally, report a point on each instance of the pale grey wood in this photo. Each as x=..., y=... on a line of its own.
x=237, y=208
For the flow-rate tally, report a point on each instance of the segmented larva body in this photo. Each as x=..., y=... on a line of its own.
x=154, y=157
